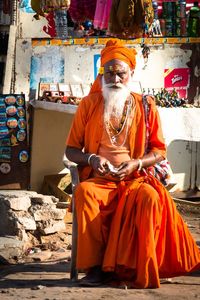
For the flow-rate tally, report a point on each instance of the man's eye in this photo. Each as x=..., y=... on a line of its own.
x=122, y=74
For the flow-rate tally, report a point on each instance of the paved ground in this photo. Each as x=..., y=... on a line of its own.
x=49, y=280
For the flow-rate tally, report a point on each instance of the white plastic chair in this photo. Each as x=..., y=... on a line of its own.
x=74, y=180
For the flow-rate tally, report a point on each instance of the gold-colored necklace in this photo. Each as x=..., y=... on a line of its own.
x=123, y=118
x=114, y=132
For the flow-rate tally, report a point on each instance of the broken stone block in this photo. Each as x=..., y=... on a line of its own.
x=5, y=220
x=10, y=247
x=47, y=213
x=44, y=199
x=9, y=219
x=23, y=220
x=26, y=223
x=27, y=216
x=51, y=226
x=13, y=193
x=22, y=203
x=24, y=237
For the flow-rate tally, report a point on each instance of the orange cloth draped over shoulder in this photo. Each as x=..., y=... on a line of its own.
x=115, y=49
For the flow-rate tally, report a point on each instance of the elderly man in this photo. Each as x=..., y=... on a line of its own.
x=128, y=225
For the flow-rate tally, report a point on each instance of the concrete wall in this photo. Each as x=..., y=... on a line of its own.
x=50, y=129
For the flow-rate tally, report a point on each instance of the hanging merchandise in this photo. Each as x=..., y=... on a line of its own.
x=102, y=14
x=130, y=18
x=53, y=5
x=36, y=6
x=155, y=27
x=14, y=149
x=82, y=10
x=148, y=16
x=46, y=6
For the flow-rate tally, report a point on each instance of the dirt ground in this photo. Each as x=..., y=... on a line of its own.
x=50, y=280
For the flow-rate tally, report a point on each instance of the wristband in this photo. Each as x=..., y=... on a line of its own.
x=139, y=164
x=89, y=158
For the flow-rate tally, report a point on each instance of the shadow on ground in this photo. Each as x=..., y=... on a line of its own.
x=52, y=274
x=35, y=274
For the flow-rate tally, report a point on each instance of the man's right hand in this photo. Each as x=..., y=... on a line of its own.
x=100, y=165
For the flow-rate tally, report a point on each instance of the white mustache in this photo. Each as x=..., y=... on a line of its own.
x=111, y=85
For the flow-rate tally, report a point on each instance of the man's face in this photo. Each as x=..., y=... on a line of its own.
x=115, y=72
x=115, y=88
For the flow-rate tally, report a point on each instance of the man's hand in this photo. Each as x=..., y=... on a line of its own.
x=125, y=169
x=102, y=166
x=99, y=164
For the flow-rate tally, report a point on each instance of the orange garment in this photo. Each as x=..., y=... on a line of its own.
x=87, y=128
x=134, y=229
x=130, y=227
x=116, y=155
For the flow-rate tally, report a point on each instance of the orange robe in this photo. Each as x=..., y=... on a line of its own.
x=129, y=227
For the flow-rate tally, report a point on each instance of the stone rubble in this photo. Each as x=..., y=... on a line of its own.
x=25, y=214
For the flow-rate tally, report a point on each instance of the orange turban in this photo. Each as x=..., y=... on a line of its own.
x=115, y=49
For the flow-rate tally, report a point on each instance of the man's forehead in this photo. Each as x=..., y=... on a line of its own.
x=116, y=65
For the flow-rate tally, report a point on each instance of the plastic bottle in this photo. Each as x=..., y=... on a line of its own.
x=181, y=9
x=194, y=21
x=61, y=23
x=155, y=8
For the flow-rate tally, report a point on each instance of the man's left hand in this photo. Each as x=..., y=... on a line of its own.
x=125, y=169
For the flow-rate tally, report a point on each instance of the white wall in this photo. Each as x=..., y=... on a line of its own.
x=50, y=128
x=78, y=66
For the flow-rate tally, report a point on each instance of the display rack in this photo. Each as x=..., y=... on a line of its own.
x=100, y=41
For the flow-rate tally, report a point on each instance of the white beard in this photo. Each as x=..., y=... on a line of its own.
x=114, y=99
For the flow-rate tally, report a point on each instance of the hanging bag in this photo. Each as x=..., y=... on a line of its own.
x=161, y=170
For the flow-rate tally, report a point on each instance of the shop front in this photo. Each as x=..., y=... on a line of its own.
x=55, y=73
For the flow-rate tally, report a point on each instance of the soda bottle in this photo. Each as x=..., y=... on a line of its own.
x=194, y=20
x=181, y=9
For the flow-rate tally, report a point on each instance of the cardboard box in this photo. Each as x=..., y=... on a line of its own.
x=58, y=185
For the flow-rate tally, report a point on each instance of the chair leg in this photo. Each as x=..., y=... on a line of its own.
x=74, y=271
x=75, y=180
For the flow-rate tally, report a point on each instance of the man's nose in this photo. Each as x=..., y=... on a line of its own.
x=116, y=78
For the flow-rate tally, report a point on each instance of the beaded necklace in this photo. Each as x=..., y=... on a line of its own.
x=114, y=132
